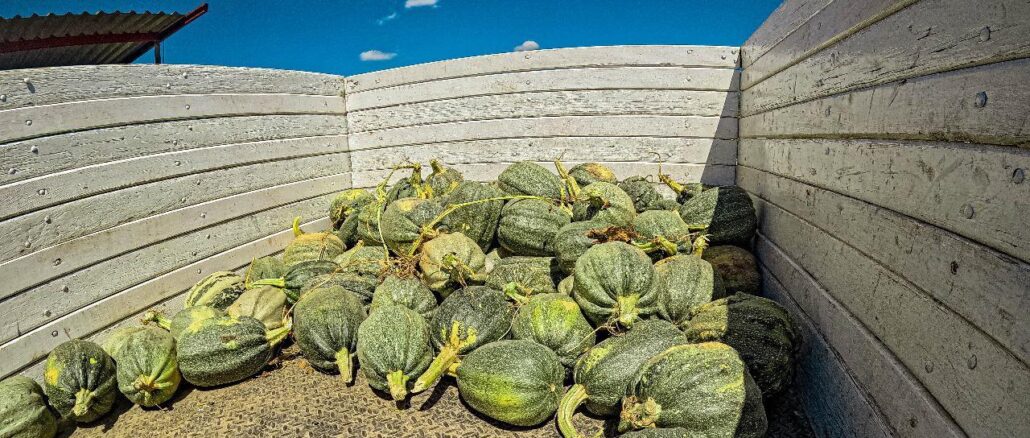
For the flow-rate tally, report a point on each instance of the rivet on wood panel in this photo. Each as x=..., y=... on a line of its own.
x=1018, y=175
x=183, y=199
x=185, y=76
x=912, y=422
x=57, y=262
x=28, y=123
x=928, y=367
x=194, y=253
x=168, y=86
x=54, y=333
x=971, y=362
x=207, y=236
x=203, y=215
x=47, y=313
x=34, y=150
x=3, y=98
x=981, y=99
x=41, y=192
x=47, y=219
x=28, y=244
x=12, y=171
x=954, y=268
x=64, y=288
x=178, y=163
x=200, y=271
x=25, y=80
x=967, y=211
x=985, y=33
x=175, y=142
x=187, y=106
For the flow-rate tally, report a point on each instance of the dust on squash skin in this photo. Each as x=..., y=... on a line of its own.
x=311, y=246
x=589, y=173
x=737, y=266
x=685, y=282
x=528, y=226
x=642, y=193
x=605, y=203
x=393, y=339
x=614, y=283
x=726, y=213
x=23, y=409
x=518, y=382
x=84, y=385
x=556, y=322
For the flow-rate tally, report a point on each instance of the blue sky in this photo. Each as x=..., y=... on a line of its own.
x=329, y=36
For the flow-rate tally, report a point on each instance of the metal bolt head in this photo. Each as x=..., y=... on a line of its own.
x=207, y=236
x=34, y=150
x=25, y=80
x=928, y=367
x=47, y=219
x=203, y=215
x=64, y=288
x=985, y=33
x=971, y=363
x=967, y=211
x=3, y=98
x=28, y=123
x=54, y=333
x=47, y=313
x=183, y=199
x=185, y=76
x=981, y=99
x=178, y=163
x=200, y=271
x=28, y=244
x=187, y=106
x=57, y=262
x=41, y=192
x=12, y=171
x=1018, y=175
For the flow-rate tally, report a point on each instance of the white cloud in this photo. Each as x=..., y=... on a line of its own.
x=386, y=18
x=418, y=3
x=377, y=55
x=527, y=46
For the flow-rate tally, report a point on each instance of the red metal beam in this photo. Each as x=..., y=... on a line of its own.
x=182, y=22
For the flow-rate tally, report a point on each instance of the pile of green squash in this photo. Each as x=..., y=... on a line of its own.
x=539, y=293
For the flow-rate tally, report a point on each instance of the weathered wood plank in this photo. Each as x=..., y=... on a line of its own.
x=36, y=344
x=928, y=37
x=75, y=184
x=45, y=155
x=979, y=104
x=33, y=269
x=835, y=404
x=60, y=223
x=790, y=15
x=570, y=126
x=36, y=121
x=613, y=149
x=902, y=400
x=834, y=22
x=969, y=190
x=580, y=57
x=67, y=84
x=641, y=78
x=984, y=286
x=549, y=104
x=983, y=386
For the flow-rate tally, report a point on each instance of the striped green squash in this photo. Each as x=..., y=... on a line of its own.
x=615, y=283
x=146, y=362
x=263, y=303
x=517, y=382
x=182, y=319
x=217, y=290
x=343, y=212
x=528, y=226
x=523, y=276
x=604, y=203
x=725, y=213
x=23, y=410
x=393, y=348
x=80, y=381
x=223, y=350
x=477, y=221
x=685, y=282
x=443, y=179
x=263, y=268
x=589, y=173
x=325, y=326
x=409, y=292
x=643, y=194
x=663, y=229
x=298, y=277
x=311, y=246
x=451, y=260
x=738, y=268
x=528, y=178
x=554, y=321
x=404, y=220
x=573, y=240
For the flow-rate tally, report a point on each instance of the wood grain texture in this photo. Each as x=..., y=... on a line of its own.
x=36, y=121
x=549, y=104
x=51, y=154
x=643, y=78
x=42, y=86
x=981, y=385
x=787, y=18
x=34, y=345
x=928, y=37
x=834, y=22
x=609, y=56
x=43, y=228
x=969, y=190
x=979, y=104
x=612, y=149
x=984, y=286
x=905, y=405
x=601, y=126
x=33, y=269
x=78, y=183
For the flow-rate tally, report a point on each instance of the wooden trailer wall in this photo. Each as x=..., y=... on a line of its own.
x=885, y=145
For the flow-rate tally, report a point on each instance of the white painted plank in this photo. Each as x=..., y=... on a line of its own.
x=22, y=123
x=613, y=149
x=790, y=15
x=36, y=344
x=981, y=104
x=834, y=22
x=641, y=78
x=30, y=270
x=593, y=126
x=902, y=400
x=928, y=37
x=605, y=56
x=89, y=215
x=984, y=286
x=44, y=155
x=549, y=104
x=967, y=189
x=67, y=84
x=78, y=183
x=982, y=386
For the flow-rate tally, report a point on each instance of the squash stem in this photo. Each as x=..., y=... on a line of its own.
x=398, y=384
x=276, y=336
x=451, y=209
x=83, y=401
x=638, y=414
x=626, y=310
x=146, y=386
x=296, y=227
x=512, y=291
x=573, y=398
x=437, y=166
x=569, y=180
x=448, y=355
x=665, y=178
x=345, y=364
x=275, y=282
x=159, y=318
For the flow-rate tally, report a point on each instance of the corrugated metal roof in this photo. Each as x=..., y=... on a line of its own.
x=77, y=39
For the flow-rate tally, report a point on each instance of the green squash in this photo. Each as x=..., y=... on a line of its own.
x=523, y=276
x=409, y=292
x=263, y=268
x=704, y=388
x=264, y=303
x=184, y=318
x=529, y=178
x=658, y=432
x=477, y=221
x=311, y=246
x=554, y=321
x=410, y=187
x=343, y=212
x=684, y=191
x=667, y=204
x=442, y=180
x=368, y=229
x=450, y=261
x=605, y=203
x=685, y=282
x=528, y=226
x=738, y=268
x=298, y=276
x=573, y=240
x=393, y=348
x=326, y=329
x=404, y=221
x=602, y=374
x=361, y=285
x=217, y=290
x=643, y=194
x=466, y=320
x=565, y=285
x=725, y=213
x=146, y=363
x=80, y=381
x=218, y=351
x=759, y=329
x=589, y=173
x=23, y=410
x=663, y=229
x=516, y=382
x=615, y=283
